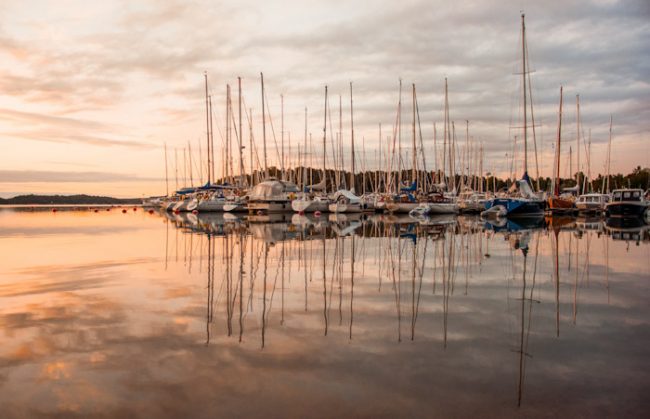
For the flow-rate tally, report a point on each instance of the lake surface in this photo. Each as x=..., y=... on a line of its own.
x=111, y=314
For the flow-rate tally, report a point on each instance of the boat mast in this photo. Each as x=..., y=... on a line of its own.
x=445, y=135
x=189, y=152
x=266, y=167
x=523, y=78
x=207, y=122
x=324, y=178
x=609, y=151
x=304, y=159
x=352, y=177
x=211, y=141
x=166, y=174
x=399, y=139
x=414, y=168
x=578, y=142
x=282, y=136
x=556, y=178
x=241, y=138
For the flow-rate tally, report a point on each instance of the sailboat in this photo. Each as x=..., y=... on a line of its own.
x=522, y=202
x=590, y=203
x=345, y=200
x=310, y=201
x=559, y=203
x=272, y=195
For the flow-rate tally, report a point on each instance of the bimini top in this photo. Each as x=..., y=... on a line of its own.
x=272, y=189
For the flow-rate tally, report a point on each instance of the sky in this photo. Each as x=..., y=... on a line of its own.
x=90, y=92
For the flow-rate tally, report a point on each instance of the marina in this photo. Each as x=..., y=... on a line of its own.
x=367, y=209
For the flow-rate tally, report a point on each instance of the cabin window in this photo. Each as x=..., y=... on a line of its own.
x=626, y=194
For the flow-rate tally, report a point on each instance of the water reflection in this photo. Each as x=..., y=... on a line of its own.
x=384, y=306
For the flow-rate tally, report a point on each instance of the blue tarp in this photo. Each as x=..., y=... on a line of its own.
x=411, y=188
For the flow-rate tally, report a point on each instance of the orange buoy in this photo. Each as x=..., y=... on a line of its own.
x=96, y=210
x=150, y=211
x=317, y=213
x=195, y=212
x=135, y=209
x=301, y=212
x=108, y=209
x=177, y=211
x=53, y=209
x=123, y=211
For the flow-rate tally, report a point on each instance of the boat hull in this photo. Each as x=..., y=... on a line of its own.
x=402, y=207
x=519, y=207
x=625, y=209
x=299, y=205
x=211, y=205
x=338, y=207
x=269, y=206
x=560, y=205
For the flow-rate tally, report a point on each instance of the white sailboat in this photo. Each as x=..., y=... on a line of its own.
x=345, y=200
x=314, y=197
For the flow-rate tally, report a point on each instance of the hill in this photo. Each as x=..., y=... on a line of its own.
x=67, y=200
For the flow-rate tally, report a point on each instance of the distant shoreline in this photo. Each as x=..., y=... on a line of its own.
x=43, y=200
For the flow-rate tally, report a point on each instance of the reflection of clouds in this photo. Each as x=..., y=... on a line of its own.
x=56, y=278
x=57, y=370
x=142, y=351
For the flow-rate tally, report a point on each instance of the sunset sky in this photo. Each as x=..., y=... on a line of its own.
x=91, y=91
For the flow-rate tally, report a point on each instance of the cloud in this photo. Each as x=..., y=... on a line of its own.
x=26, y=176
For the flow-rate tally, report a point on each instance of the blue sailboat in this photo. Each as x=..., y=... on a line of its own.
x=522, y=201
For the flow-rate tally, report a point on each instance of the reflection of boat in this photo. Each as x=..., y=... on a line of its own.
x=273, y=233
x=437, y=219
x=589, y=224
x=277, y=217
x=626, y=203
x=345, y=201
x=628, y=229
x=512, y=225
x=561, y=222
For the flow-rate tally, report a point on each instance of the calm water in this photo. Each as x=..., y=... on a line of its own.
x=109, y=314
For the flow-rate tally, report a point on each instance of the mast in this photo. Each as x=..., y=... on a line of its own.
x=414, y=168
x=228, y=155
x=304, y=159
x=266, y=167
x=399, y=139
x=578, y=142
x=176, y=165
x=241, y=138
x=189, y=151
x=523, y=79
x=435, y=154
x=250, y=141
x=184, y=167
x=207, y=122
x=325, y=141
x=166, y=174
x=211, y=142
x=282, y=136
x=352, y=178
x=556, y=178
x=609, y=151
